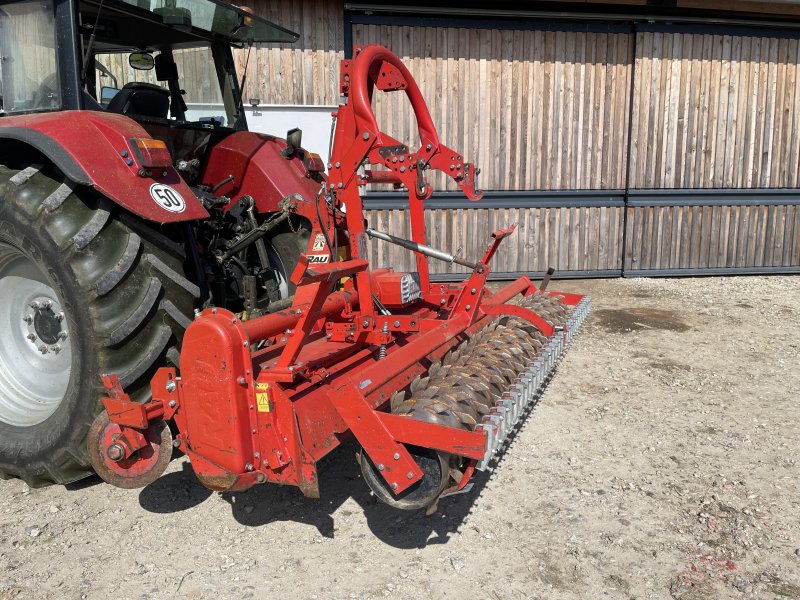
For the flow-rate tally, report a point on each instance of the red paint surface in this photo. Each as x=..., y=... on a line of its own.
x=96, y=141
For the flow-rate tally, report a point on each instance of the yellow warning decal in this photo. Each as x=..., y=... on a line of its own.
x=262, y=397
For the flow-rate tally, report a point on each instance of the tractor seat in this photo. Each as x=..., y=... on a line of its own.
x=144, y=100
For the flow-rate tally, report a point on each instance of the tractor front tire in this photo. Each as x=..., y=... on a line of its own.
x=85, y=289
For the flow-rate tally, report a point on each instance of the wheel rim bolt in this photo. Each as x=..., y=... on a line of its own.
x=60, y=317
x=62, y=335
x=43, y=349
x=35, y=305
x=55, y=348
x=28, y=319
x=32, y=337
x=46, y=304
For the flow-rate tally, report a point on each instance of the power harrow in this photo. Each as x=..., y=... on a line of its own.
x=429, y=378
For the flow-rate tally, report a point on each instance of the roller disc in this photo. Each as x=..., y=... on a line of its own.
x=141, y=468
x=434, y=466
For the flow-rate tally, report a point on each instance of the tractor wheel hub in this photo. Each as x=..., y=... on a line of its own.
x=35, y=350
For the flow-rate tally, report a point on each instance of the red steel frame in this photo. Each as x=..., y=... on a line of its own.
x=249, y=412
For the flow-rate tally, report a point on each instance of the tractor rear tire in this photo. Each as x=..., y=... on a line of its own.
x=284, y=250
x=85, y=289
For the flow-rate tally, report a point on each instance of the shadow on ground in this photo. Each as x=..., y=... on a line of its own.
x=339, y=479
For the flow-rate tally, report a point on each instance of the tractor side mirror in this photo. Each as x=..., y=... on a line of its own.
x=106, y=94
x=142, y=61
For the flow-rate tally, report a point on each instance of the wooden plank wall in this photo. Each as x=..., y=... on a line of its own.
x=714, y=111
x=713, y=237
x=544, y=110
x=306, y=72
x=578, y=239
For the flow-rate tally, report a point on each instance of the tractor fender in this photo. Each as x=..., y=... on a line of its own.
x=94, y=148
x=252, y=164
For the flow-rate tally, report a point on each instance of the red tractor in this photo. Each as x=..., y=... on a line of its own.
x=170, y=280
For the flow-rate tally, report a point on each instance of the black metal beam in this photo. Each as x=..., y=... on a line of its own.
x=713, y=271
x=716, y=197
x=591, y=198
x=504, y=16
x=500, y=199
x=533, y=275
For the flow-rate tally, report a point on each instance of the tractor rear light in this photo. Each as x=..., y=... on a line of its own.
x=314, y=163
x=151, y=154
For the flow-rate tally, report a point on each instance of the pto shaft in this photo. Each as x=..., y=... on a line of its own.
x=276, y=323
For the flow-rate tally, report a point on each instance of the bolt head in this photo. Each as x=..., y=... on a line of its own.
x=410, y=475
x=397, y=323
x=31, y=337
x=365, y=323
x=43, y=349
x=47, y=304
x=242, y=381
x=442, y=301
x=176, y=443
x=396, y=456
x=172, y=404
x=248, y=467
x=394, y=486
x=171, y=386
x=428, y=147
x=35, y=305
x=338, y=164
x=115, y=452
x=28, y=319
x=381, y=467
x=365, y=136
x=55, y=348
x=472, y=291
x=62, y=335
x=469, y=306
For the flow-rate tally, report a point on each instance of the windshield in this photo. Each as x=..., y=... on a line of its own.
x=220, y=18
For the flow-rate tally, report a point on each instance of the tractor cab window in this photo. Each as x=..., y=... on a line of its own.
x=197, y=78
x=28, y=75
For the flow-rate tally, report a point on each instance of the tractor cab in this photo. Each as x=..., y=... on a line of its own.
x=167, y=64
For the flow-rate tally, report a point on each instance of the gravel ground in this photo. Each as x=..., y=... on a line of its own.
x=661, y=463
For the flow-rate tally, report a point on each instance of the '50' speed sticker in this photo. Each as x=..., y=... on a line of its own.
x=167, y=198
